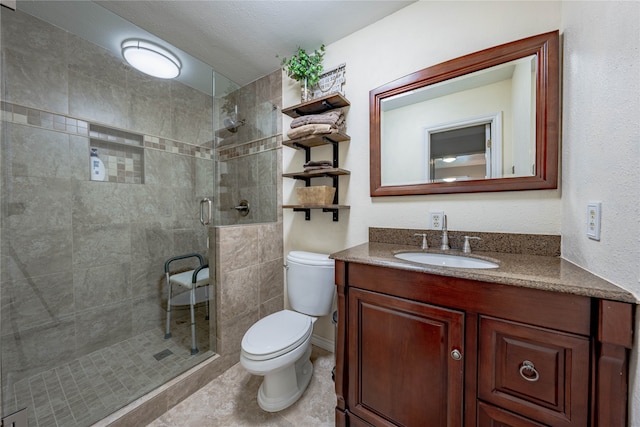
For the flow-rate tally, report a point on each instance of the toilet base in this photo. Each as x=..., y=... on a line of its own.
x=282, y=388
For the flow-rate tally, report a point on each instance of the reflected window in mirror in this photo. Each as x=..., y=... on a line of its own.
x=484, y=122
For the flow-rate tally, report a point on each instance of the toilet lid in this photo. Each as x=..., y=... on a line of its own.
x=276, y=334
x=310, y=258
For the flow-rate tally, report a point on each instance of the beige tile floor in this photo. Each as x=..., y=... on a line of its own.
x=230, y=401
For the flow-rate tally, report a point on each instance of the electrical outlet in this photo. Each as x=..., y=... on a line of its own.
x=435, y=220
x=594, y=210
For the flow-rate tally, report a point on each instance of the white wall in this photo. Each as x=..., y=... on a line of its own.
x=601, y=145
x=600, y=133
x=405, y=160
x=601, y=138
x=524, y=119
x=418, y=36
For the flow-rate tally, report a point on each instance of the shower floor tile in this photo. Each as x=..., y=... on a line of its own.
x=87, y=389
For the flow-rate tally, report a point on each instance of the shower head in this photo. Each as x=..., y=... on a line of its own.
x=232, y=125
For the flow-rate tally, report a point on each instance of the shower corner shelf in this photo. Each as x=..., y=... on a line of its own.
x=316, y=106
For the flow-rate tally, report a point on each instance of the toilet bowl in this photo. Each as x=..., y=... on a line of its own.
x=278, y=346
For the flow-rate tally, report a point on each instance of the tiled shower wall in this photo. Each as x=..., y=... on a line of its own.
x=82, y=261
x=249, y=249
x=248, y=154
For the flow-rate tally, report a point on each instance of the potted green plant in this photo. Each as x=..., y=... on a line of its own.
x=305, y=68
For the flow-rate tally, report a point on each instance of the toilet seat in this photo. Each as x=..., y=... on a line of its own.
x=276, y=334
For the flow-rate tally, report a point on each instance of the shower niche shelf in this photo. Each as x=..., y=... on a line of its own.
x=317, y=106
x=121, y=152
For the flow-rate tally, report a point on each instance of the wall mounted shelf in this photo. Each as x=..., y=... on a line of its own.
x=325, y=208
x=316, y=140
x=317, y=173
x=317, y=106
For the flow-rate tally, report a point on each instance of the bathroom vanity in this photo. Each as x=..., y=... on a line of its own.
x=535, y=342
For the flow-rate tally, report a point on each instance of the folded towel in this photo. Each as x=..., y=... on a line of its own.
x=315, y=168
x=331, y=117
x=314, y=129
x=319, y=163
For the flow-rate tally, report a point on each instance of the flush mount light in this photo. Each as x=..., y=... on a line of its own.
x=449, y=159
x=151, y=59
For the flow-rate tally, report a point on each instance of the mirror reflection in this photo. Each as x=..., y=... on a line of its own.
x=477, y=126
x=487, y=121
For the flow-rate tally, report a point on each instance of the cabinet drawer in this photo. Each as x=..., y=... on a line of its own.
x=491, y=416
x=539, y=373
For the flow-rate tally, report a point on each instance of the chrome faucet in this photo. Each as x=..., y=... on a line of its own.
x=424, y=240
x=445, y=236
x=466, y=248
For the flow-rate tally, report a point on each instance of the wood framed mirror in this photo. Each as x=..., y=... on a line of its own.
x=483, y=122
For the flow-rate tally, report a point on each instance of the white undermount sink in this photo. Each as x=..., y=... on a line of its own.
x=445, y=260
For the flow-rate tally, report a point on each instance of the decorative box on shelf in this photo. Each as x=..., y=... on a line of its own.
x=315, y=195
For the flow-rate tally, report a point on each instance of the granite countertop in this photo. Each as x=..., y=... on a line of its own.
x=550, y=273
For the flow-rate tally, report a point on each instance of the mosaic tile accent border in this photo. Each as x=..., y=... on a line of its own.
x=177, y=147
x=249, y=148
x=14, y=113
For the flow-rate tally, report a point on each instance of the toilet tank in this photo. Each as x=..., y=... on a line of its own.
x=310, y=282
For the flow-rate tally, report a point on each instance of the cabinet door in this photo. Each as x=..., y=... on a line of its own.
x=536, y=372
x=401, y=367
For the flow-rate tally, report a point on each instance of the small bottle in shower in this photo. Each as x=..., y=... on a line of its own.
x=96, y=166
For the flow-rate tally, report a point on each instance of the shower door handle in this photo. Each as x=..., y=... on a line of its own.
x=205, y=202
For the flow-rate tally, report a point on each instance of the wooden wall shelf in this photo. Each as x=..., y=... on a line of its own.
x=316, y=140
x=316, y=106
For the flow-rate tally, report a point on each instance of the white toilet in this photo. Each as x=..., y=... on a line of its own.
x=278, y=346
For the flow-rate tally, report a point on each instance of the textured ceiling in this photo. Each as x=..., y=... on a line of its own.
x=242, y=39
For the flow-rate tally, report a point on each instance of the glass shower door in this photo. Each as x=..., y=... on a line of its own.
x=82, y=289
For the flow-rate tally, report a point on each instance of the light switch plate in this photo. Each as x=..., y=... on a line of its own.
x=594, y=211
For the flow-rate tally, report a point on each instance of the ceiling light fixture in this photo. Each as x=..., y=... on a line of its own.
x=151, y=59
x=449, y=159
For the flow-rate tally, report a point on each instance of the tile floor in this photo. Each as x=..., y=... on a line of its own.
x=231, y=401
x=89, y=388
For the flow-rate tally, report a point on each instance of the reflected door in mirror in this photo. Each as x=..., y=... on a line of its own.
x=460, y=154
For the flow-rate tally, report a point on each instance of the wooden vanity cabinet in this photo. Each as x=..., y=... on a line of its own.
x=416, y=349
